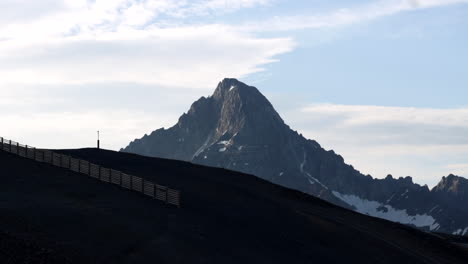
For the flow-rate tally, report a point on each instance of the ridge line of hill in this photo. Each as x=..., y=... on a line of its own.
x=106, y=175
x=228, y=217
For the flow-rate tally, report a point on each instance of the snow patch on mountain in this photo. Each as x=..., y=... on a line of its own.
x=312, y=180
x=224, y=142
x=405, y=193
x=460, y=232
x=301, y=166
x=376, y=209
x=433, y=208
x=391, y=197
x=203, y=147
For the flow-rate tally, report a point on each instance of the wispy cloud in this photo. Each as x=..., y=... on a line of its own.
x=124, y=41
x=370, y=114
x=221, y=6
x=180, y=57
x=459, y=168
x=400, y=140
x=54, y=18
x=346, y=16
x=380, y=125
x=148, y=41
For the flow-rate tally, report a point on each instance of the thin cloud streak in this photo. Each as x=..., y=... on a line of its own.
x=195, y=57
x=128, y=41
x=122, y=41
x=380, y=140
x=345, y=16
x=365, y=114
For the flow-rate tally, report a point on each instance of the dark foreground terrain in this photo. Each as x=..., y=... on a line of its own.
x=51, y=215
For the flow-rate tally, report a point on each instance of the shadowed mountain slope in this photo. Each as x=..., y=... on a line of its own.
x=237, y=128
x=226, y=217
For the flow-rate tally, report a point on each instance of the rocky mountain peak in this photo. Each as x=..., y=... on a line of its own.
x=242, y=111
x=232, y=86
x=237, y=128
x=233, y=92
x=452, y=184
x=408, y=180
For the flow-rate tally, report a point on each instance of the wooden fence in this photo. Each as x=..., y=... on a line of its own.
x=107, y=175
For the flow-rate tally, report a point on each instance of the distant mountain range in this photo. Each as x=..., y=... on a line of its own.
x=237, y=128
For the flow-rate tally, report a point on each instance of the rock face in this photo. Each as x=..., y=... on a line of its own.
x=237, y=128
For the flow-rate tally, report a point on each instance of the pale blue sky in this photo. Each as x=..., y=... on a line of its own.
x=416, y=58
x=384, y=83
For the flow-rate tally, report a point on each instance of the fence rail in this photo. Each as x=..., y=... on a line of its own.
x=130, y=182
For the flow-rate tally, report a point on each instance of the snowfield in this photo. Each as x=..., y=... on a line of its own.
x=461, y=232
x=374, y=208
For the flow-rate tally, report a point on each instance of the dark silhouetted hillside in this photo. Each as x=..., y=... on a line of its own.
x=226, y=217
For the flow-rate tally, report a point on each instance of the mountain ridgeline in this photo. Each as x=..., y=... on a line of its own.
x=237, y=128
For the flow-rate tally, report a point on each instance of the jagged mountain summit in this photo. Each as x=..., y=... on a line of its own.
x=237, y=128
